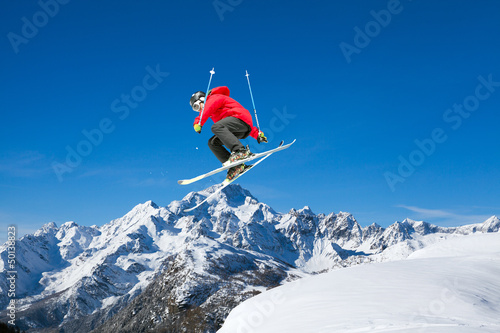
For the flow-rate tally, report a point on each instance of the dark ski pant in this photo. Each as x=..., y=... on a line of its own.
x=227, y=132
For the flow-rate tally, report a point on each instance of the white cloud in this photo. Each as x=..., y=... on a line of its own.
x=26, y=164
x=444, y=217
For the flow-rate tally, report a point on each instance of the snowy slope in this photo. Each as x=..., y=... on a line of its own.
x=451, y=286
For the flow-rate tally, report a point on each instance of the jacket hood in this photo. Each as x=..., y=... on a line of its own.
x=219, y=91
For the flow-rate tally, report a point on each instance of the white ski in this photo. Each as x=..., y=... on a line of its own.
x=226, y=182
x=252, y=157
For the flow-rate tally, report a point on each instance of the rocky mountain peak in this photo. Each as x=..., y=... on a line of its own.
x=491, y=225
x=48, y=228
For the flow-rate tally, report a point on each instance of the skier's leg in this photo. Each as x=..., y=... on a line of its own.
x=216, y=146
x=229, y=130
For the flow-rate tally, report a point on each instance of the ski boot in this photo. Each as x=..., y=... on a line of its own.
x=234, y=172
x=240, y=154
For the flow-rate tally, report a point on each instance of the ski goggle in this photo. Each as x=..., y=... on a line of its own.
x=197, y=104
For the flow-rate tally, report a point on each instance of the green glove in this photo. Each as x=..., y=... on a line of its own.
x=261, y=137
x=197, y=128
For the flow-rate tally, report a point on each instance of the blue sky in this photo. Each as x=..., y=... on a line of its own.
x=394, y=105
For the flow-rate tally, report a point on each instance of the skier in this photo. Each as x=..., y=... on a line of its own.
x=231, y=123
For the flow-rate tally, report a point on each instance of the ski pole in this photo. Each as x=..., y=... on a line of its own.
x=253, y=103
x=212, y=72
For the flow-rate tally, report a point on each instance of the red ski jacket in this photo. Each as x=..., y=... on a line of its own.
x=218, y=105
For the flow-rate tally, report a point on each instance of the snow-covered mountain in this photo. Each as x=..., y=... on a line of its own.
x=159, y=268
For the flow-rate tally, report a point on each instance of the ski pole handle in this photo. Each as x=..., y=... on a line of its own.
x=253, y=103
x=212, y=72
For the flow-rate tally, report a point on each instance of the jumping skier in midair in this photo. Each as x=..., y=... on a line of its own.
x=231, y=123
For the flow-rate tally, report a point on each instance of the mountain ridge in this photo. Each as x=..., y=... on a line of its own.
x=85, y=275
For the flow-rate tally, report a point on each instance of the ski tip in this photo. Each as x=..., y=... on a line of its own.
x=188, y=181
x=187, y=210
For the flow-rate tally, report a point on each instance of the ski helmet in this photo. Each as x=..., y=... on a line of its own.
x=197, y=96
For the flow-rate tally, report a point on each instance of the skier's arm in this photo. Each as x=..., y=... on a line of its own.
x=258, y=135
x=254, y=133
x=210, y=107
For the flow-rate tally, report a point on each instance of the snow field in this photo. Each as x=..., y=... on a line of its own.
x=458, y=291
